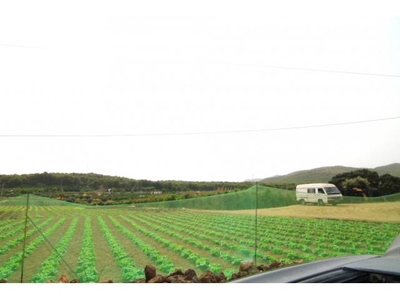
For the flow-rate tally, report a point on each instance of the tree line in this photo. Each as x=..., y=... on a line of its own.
x=364, y=182
x=96, y=189
x=103, y=189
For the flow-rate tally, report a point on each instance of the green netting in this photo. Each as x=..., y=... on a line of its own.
x=252, y=198
x=35, y=200
x=365, y=199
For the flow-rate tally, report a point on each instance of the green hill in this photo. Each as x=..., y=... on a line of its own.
x=325, y=174
x=392, y=169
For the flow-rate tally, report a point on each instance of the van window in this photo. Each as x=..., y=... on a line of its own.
x=311, y=191
x=321, y=191
x=332, y=190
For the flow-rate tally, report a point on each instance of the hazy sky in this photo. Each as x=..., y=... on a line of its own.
x=198, y=90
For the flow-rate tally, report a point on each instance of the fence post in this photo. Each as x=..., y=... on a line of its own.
x=23, y=250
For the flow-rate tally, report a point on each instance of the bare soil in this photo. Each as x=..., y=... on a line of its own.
x=372, y=212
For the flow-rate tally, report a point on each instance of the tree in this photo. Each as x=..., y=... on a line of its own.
x=370, y=184
x=356, y=186
x=389, y=184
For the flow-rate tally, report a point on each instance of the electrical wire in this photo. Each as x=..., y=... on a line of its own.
x=315, y=70
x=193, y=133
x=24, y=46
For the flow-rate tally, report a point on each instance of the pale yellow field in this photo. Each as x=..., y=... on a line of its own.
x=376, y=212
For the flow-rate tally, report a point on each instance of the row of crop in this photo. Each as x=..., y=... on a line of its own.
x=13, y=225
x=15, y=261
x=320, y=228
x=324, y=229
x=164, y=263
x=49, y=267
x=86, y=268
x=4, y=224
x=337, y=240
x=346, y=234
x=12, y=208
x=22, y=236
x=343, y=236
x=216, y=244
x=280, y=243
x=374, y=238
x=189, y=239
x=196, y=259
x=210, y=240
x=221, y=233
x=227, y=238
x=243, y=228
x=277, y=243
x=128, y=267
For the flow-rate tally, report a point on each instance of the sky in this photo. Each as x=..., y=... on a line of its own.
x=198, y=90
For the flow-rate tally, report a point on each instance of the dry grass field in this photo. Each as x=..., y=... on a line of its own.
x=373, y=212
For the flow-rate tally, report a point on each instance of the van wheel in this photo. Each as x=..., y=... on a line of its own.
x=302, y=202
x=320, y=202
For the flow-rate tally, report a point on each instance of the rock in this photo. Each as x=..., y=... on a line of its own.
x=142, y=280
x=238, y=275
x=176, y=279
x=157, y=279
x=220, y=277
x=150, y=272
x=246, y=265
x=106, y=281
x=262, y=268
x=190, y=275
x=275, y=265
x=3, y=280
x=176, y=272
x=208, y=277
x=63, y=279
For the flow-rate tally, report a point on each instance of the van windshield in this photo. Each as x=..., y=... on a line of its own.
x=332, y=190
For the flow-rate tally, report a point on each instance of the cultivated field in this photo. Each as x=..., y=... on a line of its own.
x=97, y=243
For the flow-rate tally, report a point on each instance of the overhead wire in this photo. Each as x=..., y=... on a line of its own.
x=217, y=132
x=195, y=132
x=315, y=70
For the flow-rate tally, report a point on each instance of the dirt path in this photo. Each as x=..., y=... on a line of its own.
x=375, y=212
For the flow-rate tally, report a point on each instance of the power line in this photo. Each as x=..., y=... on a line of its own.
x=24, y=46
x=193, y=133
x=316, y=70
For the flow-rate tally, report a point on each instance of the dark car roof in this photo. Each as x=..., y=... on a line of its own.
x=387, y=264
x=304, y=271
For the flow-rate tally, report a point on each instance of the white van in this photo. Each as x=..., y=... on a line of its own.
x=318, y=193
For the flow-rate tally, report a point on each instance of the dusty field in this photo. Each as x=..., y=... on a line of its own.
x=376, y=212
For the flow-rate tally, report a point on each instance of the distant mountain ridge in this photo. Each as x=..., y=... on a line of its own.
x=325, y=174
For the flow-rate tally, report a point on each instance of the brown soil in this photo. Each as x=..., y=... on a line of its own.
x=373, y=212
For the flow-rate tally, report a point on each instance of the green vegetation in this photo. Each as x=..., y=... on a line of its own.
x=86, y=268
x=95, y=189
x=364, y=182
x=116, y=242
x=98, y=190
x=256, y=196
